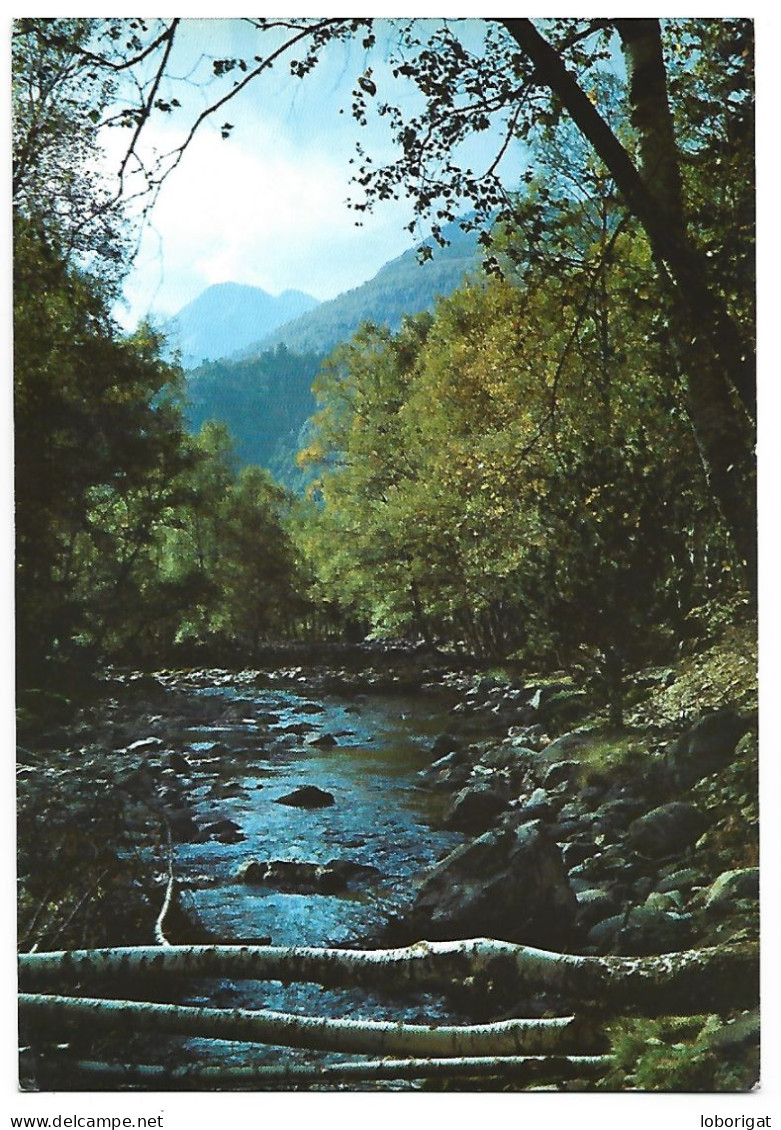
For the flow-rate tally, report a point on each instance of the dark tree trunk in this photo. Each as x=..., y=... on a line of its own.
x=717, y=365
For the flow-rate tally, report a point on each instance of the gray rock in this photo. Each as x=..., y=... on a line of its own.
x=476, y=808
x=184, y=830
x=681, y=879
x=706, y=747
x=641, y=932
x=509, y=884
x=224, y=831
x=324, y=741
x=561, y=773
x=668, y=829
x=595, y=904
x=664, y=900
x=297, y=877
x=615, y=815
x=730, y=886
x=450, y=772
x=308, y=796
x=566, y=747
x=178, y=763
x=539, y=805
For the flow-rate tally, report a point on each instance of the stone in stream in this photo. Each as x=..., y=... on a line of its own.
x=308, y=796
x=305, y=878
x=225, y=831
x=325, y=741
x=178, y=763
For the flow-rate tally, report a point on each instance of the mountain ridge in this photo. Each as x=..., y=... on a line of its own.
x=228, y=316
x=404, y=285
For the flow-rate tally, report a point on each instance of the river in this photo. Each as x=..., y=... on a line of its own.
x=260, y=748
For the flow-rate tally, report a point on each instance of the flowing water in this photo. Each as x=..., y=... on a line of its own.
x=382, y=817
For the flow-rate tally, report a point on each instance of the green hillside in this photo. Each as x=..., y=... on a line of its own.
x=264, y=402
x=403, y=286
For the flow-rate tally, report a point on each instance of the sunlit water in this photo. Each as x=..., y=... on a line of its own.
x=382, y=817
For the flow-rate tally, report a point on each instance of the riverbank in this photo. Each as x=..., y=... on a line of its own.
x=565, y=831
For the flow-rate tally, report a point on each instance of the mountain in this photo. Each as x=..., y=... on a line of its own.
x=265, y=403
x=402, y=286
x=228, y=317
x=263, y=393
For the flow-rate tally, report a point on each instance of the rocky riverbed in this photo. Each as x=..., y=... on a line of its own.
x=384, y=802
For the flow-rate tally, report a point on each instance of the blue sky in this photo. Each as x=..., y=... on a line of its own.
x=268, y=206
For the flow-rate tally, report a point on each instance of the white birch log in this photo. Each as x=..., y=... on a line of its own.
x=506, y=1037
x=688, y=981
x=518, y=1068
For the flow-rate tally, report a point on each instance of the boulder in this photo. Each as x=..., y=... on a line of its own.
x=449, y=772
x=706, y=747
x=308, y=796
x=508, y=884
x=666, y=830
x=178, y=763
x=567, y=747
x=537, y=806
x=444, y=744
x=476, y=808
x=681, y=879
x=614, y=816
x=561, y=773
x=224, y=831
x=731, y=886
x=183, y=828
x=595, y=904
x=643, y=931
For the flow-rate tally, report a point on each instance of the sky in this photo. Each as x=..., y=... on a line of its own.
x=268, y=206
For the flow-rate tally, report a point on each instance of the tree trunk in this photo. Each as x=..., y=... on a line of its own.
x=521, y=1069
x=692, y=981
x=718, y=365
x=282, y=1029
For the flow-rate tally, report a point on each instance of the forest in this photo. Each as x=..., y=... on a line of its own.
x=539, y=496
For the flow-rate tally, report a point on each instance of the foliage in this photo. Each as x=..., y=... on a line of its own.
x=676, y=1054
x=59, y=101
x=117, y=487
x=104, y=407
x=231, y=553
x=514, y=475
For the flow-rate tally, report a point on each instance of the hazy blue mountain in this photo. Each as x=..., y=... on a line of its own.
x=228, y=317
x=403, y=286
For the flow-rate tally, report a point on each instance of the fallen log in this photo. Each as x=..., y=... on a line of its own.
x=521, y=1069
x=282, y=1029
x=691, y=981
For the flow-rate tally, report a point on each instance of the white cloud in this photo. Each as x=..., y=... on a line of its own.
x=273, y=215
